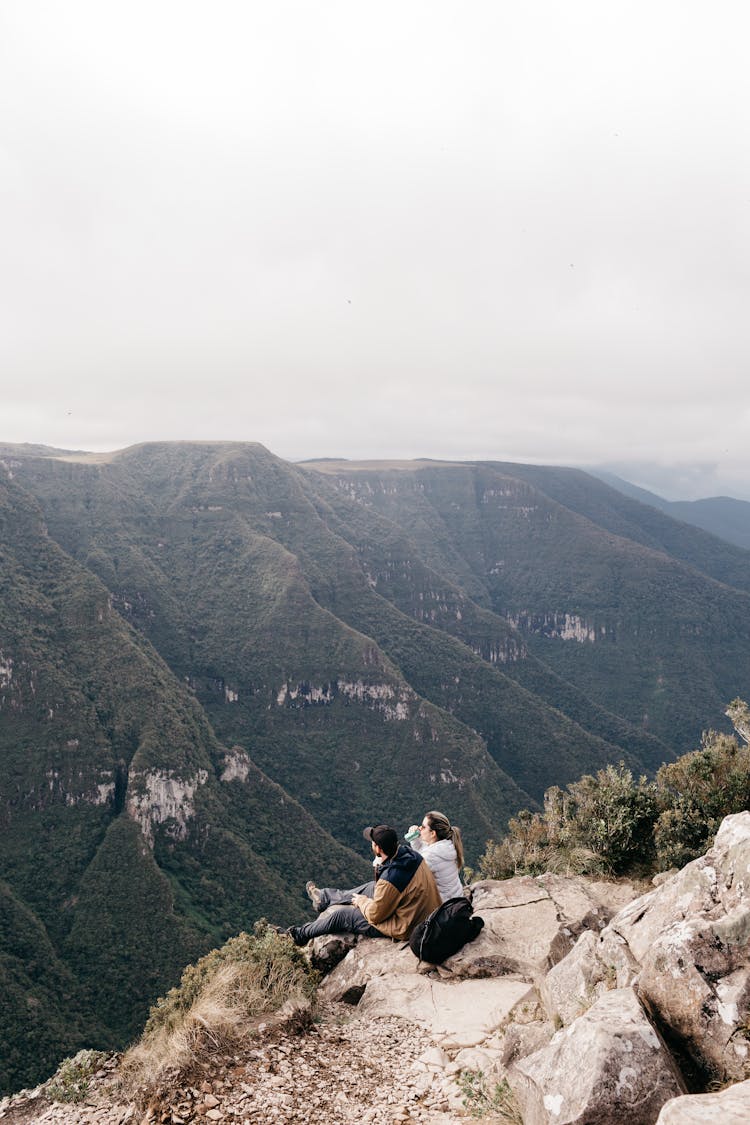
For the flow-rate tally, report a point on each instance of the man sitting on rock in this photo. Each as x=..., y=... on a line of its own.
x=402, y=894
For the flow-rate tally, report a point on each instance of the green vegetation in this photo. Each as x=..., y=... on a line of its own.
x=216, y=667
x=695, y=793
x=218, y=1003
x=615, y=823
x=660, y=609
x=70, y=1082
x=484, y=1100
x=126, y=943
x=274, y=965
x=40, y=1014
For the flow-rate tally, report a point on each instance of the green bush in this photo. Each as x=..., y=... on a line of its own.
x=277, y=968
x=483, y=1100
x=613, y=823
x=218, y=1004
x=695, y=793
x=597, y=825
x=611, y=815
x=70, y=1083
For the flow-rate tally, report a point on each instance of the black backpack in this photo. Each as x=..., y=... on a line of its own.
x=445, y=931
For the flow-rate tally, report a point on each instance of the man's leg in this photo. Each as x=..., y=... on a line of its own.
x=335, y=920
x=329, y=896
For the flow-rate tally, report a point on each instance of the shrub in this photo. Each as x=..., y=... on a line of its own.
x=70, y=1083
x=218, y=1002
x=739, y=713
x=612, y=815
x=597, y=825
x=524, y=851
x=481, y=1100
x=696, y=792
x=612, y=823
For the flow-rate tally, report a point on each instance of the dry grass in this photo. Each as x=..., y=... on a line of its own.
x=219, y=1003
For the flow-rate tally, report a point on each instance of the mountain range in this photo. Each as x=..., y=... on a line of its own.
x=217, y=666
x=725, y=516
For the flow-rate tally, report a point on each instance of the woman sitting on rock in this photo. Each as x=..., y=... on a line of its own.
x=440, y=845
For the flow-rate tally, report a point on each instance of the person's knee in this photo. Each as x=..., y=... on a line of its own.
x=348, y=918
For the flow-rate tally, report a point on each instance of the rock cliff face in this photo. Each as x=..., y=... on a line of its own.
x=691, y=939
x=579, y=1002
x=591, y=1007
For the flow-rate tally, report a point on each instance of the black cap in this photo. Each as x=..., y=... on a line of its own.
x=385, y=837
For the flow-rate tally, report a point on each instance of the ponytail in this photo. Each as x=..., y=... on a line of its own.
x=458, y=844
x=444, y=830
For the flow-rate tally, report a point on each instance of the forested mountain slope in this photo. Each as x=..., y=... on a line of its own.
x=216, y=667
x=662, y=639
x=724, y=516
x=131, y=838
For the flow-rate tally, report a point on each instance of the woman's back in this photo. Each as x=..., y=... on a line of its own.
x=440, y=857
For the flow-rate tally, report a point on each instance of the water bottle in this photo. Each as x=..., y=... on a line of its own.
x=412, y=834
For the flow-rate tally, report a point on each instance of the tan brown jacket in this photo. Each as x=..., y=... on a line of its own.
x=405, y=893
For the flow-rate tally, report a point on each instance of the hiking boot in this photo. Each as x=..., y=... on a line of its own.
x=293, y=933
x=313, y=893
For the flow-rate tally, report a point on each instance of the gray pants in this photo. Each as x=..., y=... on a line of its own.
x=339, y=916
x=329, y=896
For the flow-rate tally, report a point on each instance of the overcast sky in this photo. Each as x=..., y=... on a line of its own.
x=425, y=228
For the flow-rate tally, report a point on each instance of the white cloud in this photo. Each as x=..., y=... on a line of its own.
x=410, y=229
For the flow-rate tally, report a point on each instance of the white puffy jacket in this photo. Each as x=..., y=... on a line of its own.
x=440, y=857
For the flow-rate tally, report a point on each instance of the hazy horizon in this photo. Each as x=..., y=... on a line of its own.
x=670, y=483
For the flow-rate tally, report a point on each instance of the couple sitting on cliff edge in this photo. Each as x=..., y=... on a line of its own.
x=411, y=880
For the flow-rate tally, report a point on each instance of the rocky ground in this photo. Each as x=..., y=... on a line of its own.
x=345, y=1068
x=578, y=1001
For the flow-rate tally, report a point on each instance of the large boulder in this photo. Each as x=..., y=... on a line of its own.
x=532, y=923
x=727, y=1107
x=529, y=925
x=609, y=1066
x=370, y=958
x=691, y=937
x=587, y=904
x=571, y=987
x=595, y=965
x=521, y=935
x=326, y=951
x=520, y=1039
x=382, y=978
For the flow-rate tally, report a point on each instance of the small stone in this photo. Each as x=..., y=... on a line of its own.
x=435, y=1058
